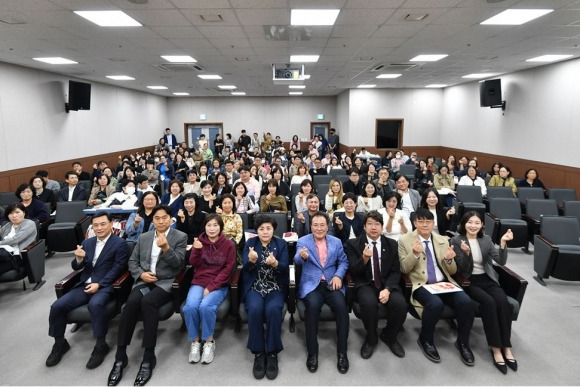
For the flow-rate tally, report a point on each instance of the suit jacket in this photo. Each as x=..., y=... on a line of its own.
x=79, y=194
x=169, y=264
x=112, y=262
x=304, y=229
x=312, y=270
x=415, y=198
x=173, y=140
x=489, y=253
x=388, y=258
x=344, y=234
x=416, y=268
x=349, y=186
x=279, y=249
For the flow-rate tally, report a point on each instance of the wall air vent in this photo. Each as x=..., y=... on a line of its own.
x=179, y=67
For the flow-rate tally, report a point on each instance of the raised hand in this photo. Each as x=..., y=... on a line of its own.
x=391, y=212
x=401, y=220
x=181, y=215
x=162, y=240
x=197, y=244
x=417, y=247
x=367, y=252
x=80, y=253
x=252, y=255
x=508, y=236
x=271, y=260
x=338, y=222
x=300, y=217
x=304, y=253
x=218, y=210
x=450, y=253
x=138, y=219
x=465, y=247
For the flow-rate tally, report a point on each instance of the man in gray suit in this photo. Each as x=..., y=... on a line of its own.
x=157, y=258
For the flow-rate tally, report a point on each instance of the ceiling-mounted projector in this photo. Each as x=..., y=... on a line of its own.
x=288, y=74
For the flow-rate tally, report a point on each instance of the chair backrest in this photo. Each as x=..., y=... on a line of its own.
x=69, y=211
x=334, y=172
x=525, y=193
x=294, y=189
x=321, y=179
x=322, y=190
x=536, y=208
x=572, y=208
x=505, y=208
x=282, y=222
x=245, y=220
x=561, y=194
x=86, y=184
x=560, y=230
x=469, y=193
x=408, y=170
x=7, y=197
x=499, y=192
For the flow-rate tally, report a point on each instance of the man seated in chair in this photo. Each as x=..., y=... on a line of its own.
x=324, y=265
x=374, y=264
x=428, y=259
x=102, y=259
x=302, y=221
x=73, y=191
x=157, y=259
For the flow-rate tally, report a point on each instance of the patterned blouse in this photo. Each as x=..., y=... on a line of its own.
x=233, y=226
x=266, y=281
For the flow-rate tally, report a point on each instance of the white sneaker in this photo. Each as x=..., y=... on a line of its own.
x=208, y=350
x=195, y=352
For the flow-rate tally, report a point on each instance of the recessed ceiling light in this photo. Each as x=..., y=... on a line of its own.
x=209, y=76
x=548, y=58
x=387, y=76
x=415, y=16
x=157, y=87
x=295, y=93
x=296, y=87
x=366, y=86
x=313, y=17
x=179, y=58
x=121, y=77
x=479, y=76
x=304, y=58
x=227, y=87
x=56, y=60
x=516, y=17
x=428, y=58
x=436, y=85
x=180, y=93
x=238, y=93
x=109, y=18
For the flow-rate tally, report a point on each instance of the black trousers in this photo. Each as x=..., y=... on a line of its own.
x=496, y=312
x=337, y=302
x=148, y=305
x=433, y=307
x=367, y=296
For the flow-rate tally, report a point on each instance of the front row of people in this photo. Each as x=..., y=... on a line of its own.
x=376, y=263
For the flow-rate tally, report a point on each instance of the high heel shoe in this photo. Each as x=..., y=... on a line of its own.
x=500, y=365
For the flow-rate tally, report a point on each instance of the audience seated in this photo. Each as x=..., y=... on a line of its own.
x=346, y=222
x=207, y=202
x=244, y=203
x=369, y=200
x=41, y=193
x=472, y=178
x=189, y=220
x=273, y=201
x=531, y=179
x=73, y=191
x=306, y=188
x=35, y=209
x=127, y=198
x=101, y=191
x=15, y=235
x=302, y=221
x=504, y=179
x=423, y=177
x=410, y=198
x=333, y=200
x=173, y=198
x=142, y=220
x=444, y=217
x=396, y=221
x=353, y=184
x=233, y=227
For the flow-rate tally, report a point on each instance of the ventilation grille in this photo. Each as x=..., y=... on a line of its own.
x=395, y=67
x=179, y=67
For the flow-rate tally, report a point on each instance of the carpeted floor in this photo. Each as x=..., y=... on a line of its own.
x=545, y=343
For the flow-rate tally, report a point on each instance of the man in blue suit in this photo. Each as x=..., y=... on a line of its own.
x=102, y=260
x=324, y=265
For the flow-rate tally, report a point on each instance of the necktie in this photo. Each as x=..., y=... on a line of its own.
x=376, y=267
x=431, y=277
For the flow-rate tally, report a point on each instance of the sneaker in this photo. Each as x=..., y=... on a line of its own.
x=195, y=352
x=98, y=355
x=57, y=352
x=272, y=365
x=208, y=352
x=259, y=369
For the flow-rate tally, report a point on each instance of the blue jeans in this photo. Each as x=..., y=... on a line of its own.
x=200, y=310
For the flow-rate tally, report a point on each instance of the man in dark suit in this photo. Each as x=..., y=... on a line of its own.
x=102, y=260
x=73, y=191
x=353, y=184
x=302, y=221
x=170, y=139
x=374, y=264
x=157, y=258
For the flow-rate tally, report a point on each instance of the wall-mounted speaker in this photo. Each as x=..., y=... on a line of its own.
x=490, y=93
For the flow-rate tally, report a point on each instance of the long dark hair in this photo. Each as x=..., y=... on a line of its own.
x=461, y=228
x=438, y=206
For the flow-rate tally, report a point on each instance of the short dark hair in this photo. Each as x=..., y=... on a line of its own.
x=461, y=228
x=161, y=207
x=424, y=213
x=398, y=177
x=375, y=215
x=77, y=162
x=175, y=181
x=374, y=186
x=261, y=219
x=16, y=205
x=102, y=213
x=213, y=216
x=204, y=183
x=424, y=204
x=39, y=177
x=126, y=181
x=66, y=175
x=22, y=187
x=349, y=195
x=140, y=179
x=42, y=173
x=190, y=195
x=312, y=196
x=106, y=176
x=273, y=183
x=243, y=185
x=232, y=198
x=319, y=214
x=393, y=194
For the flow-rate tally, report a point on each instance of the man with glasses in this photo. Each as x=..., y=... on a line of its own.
x=429, y=261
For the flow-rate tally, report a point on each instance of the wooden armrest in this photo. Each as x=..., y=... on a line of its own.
x=543, y=239
x=31, y=246
x=292, y=290
x=180, y=286
x=235, y=290
x=512, y=284
x=349, y=290
x=67, y=283
x=123, y=279
x=122, y=286
x=493, y=217
x=461, y=280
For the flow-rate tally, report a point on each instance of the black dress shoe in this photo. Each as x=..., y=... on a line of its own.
x=366, y=351
x=144, y=374
x=511, y=363
x=429, y=350
x=397, y=349
x=272, y=365
x=342, y=363
x=259, y=369
x=465, y=352
x=500, y=365
x=116, y=373
x=58, y=350
x=312, y=363
x=98, y=355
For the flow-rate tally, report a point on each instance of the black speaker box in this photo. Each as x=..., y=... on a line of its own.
x=490, y=93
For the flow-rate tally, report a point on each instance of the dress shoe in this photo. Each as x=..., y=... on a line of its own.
x=58, y=350
x=144, y=374
x=465, y=352
x=312, y=362
x=116, y=373
x=500, y=365
x=259, y=369
x=429, y=350
x=366, y=351
x=272, y=365
x=342, y=363
x=397, y=349
x=511, y=363
x=98, y=355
